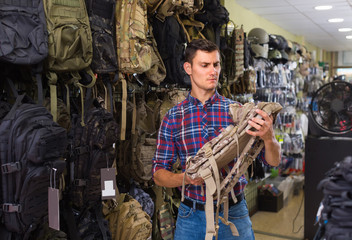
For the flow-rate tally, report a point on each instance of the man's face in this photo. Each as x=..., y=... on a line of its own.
x=204, y=70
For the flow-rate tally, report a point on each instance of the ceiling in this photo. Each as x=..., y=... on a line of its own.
x=300, y=18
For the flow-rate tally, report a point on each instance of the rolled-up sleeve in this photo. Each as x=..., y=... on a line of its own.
x=165, y=154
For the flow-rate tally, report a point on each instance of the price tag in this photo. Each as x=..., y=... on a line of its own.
x=108, y=183
x=53, y=208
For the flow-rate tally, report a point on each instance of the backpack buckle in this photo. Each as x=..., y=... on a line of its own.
x=10, y=207
x=80, y=182
x=81, y=150
x=10, y=167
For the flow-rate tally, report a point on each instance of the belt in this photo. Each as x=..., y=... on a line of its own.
x=201, y=206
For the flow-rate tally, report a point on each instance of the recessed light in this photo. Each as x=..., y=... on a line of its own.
x=349, y=37
x=335, y=20
x=345, y=29
x=319, y=8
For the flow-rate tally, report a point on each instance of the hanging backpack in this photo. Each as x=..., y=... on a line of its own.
x=70, y=47
x=172, y=41
x=32, y=149
x=102, y=22
x=92, y=147
x=23, y=35
x=137, y=151
x=131, y=36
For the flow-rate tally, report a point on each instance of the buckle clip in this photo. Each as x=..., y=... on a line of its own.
x=80, y=182
x=11, y=167
x=10, y=207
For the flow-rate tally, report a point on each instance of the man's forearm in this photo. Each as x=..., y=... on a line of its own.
x=168, y=179
x=272, y=152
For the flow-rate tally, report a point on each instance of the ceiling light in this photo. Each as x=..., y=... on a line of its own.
x=349, y=37
x=322, y=8
x=335, y=20
x=345, y=29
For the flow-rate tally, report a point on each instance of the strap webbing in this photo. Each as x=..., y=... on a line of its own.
x=123, y=108
x=206, y=174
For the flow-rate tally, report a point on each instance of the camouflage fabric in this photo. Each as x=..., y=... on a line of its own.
x=131, y=36
x=127, y=220
x=171, y=7
x=232, y=142
x=102, y=21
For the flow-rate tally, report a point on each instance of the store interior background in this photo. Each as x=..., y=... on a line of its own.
x=298, y=21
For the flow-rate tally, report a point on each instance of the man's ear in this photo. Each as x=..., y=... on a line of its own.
x=188, y=68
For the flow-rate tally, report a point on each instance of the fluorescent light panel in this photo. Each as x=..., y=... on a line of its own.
x=321, y=8
x=349, y=37
x=335, y=20
x=345, y=29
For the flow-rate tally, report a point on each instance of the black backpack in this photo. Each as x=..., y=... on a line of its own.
x=92, y=147
x=213, y=15
x=32, y=147
x=23, y=35
x=336, y=214
x=171, y=42
x=102, y=23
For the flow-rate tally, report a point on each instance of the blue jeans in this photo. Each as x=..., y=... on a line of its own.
x=191, y=224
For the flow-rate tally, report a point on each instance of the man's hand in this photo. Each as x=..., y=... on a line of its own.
x=197, y=181
x=265, y=131
x=263, y=126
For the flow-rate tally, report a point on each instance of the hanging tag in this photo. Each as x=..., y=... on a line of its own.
x=108, y=183
x=53, y=202
x=53, y=208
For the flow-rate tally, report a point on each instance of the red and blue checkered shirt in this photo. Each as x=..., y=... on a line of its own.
x=185, y=129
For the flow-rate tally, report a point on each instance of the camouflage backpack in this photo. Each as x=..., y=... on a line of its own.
x=137, y=151
x=131, y=36
x=127, y=220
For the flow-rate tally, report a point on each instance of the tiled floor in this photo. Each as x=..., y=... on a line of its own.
x=281, y=225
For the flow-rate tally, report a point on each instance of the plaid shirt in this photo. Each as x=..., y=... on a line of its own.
x=185, y=129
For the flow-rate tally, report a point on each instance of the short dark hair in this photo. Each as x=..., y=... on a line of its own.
x=199, y=44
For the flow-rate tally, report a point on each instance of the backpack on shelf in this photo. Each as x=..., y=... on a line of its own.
x=32, y=149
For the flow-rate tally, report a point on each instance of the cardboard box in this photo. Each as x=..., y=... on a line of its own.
x=270, y=203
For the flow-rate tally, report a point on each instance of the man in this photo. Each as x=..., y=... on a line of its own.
x=187, y=127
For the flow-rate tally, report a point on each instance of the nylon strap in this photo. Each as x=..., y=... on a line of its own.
x=124, y=107
x=209, y=204
x=52, y=77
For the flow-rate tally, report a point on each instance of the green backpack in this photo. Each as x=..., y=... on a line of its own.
x=70, y=46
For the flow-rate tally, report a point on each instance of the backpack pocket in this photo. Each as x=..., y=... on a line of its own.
x=70, y=47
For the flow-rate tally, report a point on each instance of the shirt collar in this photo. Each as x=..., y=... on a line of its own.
x=211, y=100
